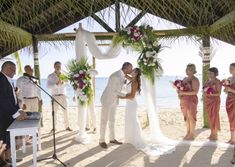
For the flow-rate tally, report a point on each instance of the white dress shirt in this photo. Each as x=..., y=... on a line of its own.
x=59, y=89
x=27, y=88
x=14, y=93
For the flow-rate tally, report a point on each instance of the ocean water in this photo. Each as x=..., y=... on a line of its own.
x=166, y=95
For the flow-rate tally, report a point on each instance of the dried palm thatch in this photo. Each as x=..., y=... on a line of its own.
x=21, y=19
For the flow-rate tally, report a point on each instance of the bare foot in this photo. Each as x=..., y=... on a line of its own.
x=214, y=138
x=190, y=137
x=186, y=136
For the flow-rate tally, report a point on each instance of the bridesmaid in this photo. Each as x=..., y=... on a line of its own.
x=230, y=103
x=213, y=102
x=189, y=101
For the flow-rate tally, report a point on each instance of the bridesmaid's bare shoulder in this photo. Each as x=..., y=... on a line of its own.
x=196, y=79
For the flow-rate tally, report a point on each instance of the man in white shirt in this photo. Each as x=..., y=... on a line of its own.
x=58, y=91
x=29, y=94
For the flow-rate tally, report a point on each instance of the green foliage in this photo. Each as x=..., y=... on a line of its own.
x=143, y=40
x=79, y=75
x=16, y=56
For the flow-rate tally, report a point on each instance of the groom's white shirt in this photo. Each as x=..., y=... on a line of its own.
x=113, y=89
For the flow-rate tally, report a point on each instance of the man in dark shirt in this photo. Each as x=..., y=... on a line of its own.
x=9, y=108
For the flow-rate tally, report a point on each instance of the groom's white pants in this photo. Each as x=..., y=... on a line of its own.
x=107, y=115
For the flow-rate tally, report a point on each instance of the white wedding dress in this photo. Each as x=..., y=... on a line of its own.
x=133, y=131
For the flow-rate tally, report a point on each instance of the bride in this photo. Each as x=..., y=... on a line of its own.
x=133, y=131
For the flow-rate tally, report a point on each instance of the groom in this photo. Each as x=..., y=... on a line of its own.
x=109, y=101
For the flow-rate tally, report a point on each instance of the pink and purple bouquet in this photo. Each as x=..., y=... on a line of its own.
x=134, y=33
x=225, y=83
x=179, y=85
x=80, y=75
x=208, y=89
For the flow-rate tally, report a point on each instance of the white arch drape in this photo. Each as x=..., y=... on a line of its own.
x=85, y=37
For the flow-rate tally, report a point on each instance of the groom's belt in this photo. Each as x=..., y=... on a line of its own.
x=58, y=95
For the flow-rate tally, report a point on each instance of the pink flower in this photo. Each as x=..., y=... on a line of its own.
x=179, y=85
x=208, y=90
x=225, y=82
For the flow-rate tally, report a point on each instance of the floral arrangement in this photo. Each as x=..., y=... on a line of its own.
x=80, y=75
x=179, y=85
x=143, y=40
x=208, y=89
x=225, y=83
x=63, y=77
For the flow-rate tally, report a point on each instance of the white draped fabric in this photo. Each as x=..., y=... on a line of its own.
x=84, y=37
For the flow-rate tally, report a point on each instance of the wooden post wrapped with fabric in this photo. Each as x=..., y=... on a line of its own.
x=36, y=65
x=81, y=65
x=206, y=58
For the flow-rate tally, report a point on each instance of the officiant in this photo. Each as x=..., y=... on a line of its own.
x=29, y=94
x=9, y=108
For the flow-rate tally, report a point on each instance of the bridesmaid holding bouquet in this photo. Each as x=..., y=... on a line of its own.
x=189, y=100
x=230, y=102
x=212, y=91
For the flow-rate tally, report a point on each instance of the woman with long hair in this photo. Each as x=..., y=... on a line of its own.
x=133, y=131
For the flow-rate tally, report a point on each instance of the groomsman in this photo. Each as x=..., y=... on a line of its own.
x=29, y=94
x=57, y=87
x=9, y=108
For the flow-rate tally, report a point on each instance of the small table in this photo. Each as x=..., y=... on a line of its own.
x=23, y=128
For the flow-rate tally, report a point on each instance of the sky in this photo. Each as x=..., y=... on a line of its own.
x=174, y=57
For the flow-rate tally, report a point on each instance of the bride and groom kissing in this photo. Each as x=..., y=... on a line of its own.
x=109, y=101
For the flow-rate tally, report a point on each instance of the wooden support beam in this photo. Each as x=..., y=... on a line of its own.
x=117, y=15
x=102, y=23
x=137, y=18
x=109, y=35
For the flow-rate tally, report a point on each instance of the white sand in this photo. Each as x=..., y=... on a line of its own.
x=91, y=155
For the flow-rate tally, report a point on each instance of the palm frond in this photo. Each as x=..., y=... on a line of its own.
x=16, y=56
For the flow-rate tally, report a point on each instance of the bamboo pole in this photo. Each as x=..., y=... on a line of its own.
x=205, y=67
x=36, y=65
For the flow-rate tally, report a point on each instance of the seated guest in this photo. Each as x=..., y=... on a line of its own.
x=189, y=100
x=29, y=94
x=9, y=108
x=212, y=91
x=2, y=149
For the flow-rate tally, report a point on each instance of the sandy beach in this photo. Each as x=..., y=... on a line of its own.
x=91, y=155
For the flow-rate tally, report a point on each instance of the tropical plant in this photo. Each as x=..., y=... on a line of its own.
x=143, y=40
x=80, y=74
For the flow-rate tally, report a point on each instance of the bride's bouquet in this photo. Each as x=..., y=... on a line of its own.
x=208, y=90
x=179, y=85
x=80, y=75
